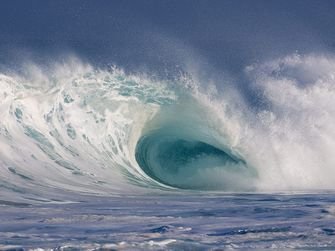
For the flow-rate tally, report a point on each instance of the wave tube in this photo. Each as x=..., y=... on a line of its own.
x=178, y=149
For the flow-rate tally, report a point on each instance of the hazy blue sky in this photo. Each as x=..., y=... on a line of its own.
x=160, y=34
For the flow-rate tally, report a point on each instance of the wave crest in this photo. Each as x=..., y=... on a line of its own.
x=87, y=130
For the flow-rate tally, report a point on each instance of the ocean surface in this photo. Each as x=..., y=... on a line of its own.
x=98, y=158
x=184, y=221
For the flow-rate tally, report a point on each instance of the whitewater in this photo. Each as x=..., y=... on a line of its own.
x=130, y=152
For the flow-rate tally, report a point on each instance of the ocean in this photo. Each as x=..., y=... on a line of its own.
x=184, y=221
x=167, y=125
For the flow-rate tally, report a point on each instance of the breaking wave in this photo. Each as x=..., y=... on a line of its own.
x=78, y=129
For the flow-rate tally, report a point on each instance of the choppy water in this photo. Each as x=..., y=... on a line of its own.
x=96, y=158
x=173, y=222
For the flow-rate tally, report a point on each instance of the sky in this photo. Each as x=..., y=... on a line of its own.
x=166, y=34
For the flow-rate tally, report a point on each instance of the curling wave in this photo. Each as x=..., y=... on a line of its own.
x=177, y=151
x=84, y=130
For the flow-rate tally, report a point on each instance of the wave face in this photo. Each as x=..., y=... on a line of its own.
x=77, y=129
